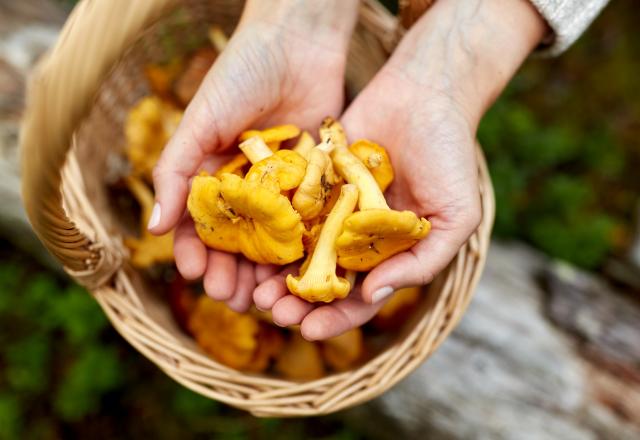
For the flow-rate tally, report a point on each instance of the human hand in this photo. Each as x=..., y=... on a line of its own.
x=284, y=63
x=424, y=106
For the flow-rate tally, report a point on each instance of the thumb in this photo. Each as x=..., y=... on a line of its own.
x=210, y=123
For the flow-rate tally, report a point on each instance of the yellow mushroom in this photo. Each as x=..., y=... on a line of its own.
x=234, y=166
x=310, y=198
x=375, y=232
x=235, y=215
x=278, y=133
x=217, y=38
x=270, y=345
x=239, y=161
x=342, y=352
x=397, y=309
x=304, y=145
x=281, y=171
x=161, y=77
x=376, y=159
x=320, y=282
x=300, y=359
x=149, y=249
x=229, y=337
x=149, y=125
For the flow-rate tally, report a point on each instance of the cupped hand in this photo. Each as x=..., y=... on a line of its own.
x=424, y=106
x=284, y=64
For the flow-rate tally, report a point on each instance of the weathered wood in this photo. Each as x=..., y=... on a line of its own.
x=527, y=362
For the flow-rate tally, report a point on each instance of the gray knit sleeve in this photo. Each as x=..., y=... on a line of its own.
x=567, y=19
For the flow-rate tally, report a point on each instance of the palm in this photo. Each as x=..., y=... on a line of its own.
x=429, y=143
x=279, y=80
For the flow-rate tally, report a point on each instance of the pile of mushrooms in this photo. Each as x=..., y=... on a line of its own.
x=325, y=200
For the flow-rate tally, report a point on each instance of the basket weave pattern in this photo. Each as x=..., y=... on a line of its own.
x=79, y=98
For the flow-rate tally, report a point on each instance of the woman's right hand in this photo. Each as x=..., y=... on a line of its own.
x=284, y=64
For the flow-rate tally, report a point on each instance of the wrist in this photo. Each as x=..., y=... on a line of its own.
x=326, y=22
x=469, y=49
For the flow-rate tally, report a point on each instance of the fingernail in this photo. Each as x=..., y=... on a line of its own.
x=381, y=294
x=154, y=220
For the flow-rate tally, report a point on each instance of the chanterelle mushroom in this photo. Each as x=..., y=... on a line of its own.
x=375, y=232
x=319, y=178
x=304, y=145
x=376, y=159
x=320, y=282
x=148, y=249
x=150, y=124
x=235, y=215
x=229, y=337
x=343, y=351
x=282, y=170
x=278, y=133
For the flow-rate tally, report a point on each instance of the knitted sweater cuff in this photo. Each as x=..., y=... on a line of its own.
x=568, y=19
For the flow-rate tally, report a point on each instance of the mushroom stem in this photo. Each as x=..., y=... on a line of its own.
x=324, y=255
x=355, y=172
x=351, y=275
x=309, y=199
x=332, y=132
x=143, y=196
x=218, y=38
x=255, y=149
x=320, y=282
x=305, y=145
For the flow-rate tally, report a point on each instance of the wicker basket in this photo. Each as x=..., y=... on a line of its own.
x=78, y=99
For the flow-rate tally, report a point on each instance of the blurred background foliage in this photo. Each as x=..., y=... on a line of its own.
x=563, y=149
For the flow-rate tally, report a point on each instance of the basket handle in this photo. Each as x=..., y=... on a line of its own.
x=60, y=94
x=411, y=10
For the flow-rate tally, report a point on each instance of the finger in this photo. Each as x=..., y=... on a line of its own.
x=189, y=251
x=290, y=310
x=265, y=271
x=246, y=283
x=334, y=319
x=417, y=266
x=271, y=290
x=221, y=275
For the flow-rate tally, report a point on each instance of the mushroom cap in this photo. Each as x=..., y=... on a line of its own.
x=343, y=351
x=148, y=249
x=229, y=337
x=300, y=359
x=149, y=125
x=235, y=215
x=397, y=309
x=284, y=170
x=161, y=77
x=278, y=133
x=270, y=345
x=234, y=166
x=370, y=237
x=376, y=159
